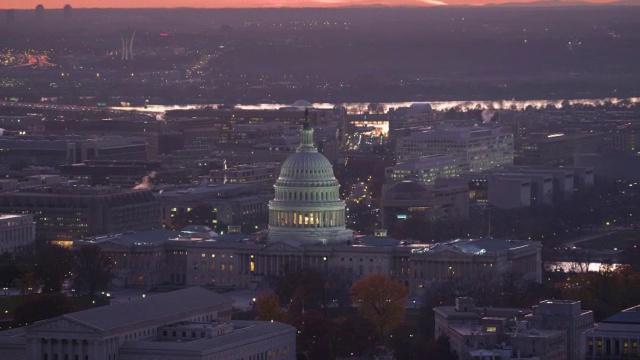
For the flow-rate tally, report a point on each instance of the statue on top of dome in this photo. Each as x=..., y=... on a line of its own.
x=306, y=125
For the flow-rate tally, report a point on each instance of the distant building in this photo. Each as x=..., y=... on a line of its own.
x=404, y=121
x=558, y=149
x=616, y=337
x=505, y=333
x=471, y=260
x=483, y=148
x=612, y=166
x=230, y=204
x=123, y=173
x=513, y=187
x=262, y=174
x=409, y=199
x=22, y=151
x=66, y=213
x=193, y=323
x=16, y=232
x=564, y=315
x=426, y=170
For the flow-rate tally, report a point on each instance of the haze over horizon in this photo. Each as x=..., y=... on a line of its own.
x=54, y=4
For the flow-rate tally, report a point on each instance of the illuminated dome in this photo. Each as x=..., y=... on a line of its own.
x=307, y=206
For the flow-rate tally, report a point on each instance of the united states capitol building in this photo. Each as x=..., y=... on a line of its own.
x=307, y=229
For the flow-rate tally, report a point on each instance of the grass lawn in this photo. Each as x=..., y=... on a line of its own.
x=620, y=240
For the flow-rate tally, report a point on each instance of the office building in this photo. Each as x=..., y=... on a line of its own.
x=558, y=149
x=483, y=148
x=16, y=232
x=496, y=333
x=426, y=170
x=193, y=323
x=65, y=213
x=23, y=151
x=410, y=199
x=616, y=337
x=566, y=315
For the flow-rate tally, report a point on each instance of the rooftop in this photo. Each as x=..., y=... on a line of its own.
x=628, y=316
x=244, y=332
x=479, y=246
x=151, y=308
x=144, y=237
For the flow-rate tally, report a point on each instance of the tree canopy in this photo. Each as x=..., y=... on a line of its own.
x=380, y=300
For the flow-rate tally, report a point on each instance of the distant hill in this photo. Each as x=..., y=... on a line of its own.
x=558, y=3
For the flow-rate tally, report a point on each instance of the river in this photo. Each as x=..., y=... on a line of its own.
x=437, y=105
x=568, y=266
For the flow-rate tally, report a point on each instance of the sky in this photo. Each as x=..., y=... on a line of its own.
x=52, y=4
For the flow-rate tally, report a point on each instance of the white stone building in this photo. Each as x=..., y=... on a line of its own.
x=482, y=147
x=16, y=232
x=192, y=323
x=616, y=337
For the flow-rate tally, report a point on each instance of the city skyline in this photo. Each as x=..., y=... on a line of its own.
x=55, y=4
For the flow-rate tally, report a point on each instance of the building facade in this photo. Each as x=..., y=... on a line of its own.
x=16, y=232
x=482, y=147
x=426, y=170
x=615, y=338
x=193, y=323
x=67, y=213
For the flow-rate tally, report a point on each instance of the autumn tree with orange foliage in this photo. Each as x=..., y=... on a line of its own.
x=268, y=307
x=380, y=300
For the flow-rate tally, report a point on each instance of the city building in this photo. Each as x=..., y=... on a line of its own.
x=193, y=323
x=123, y=173
x=69, y=212
x=482, y=147
x=468, y=260
x=426, y=170
x=228, y=204
x=264, y=174
x=501, y=333
x=410, y=199
x=611, y=166
x=22, y=151
x=138, y=257
x=16, y=232
x=616, y=337
x=306, y=230
x=566, y=315
x=558, y=149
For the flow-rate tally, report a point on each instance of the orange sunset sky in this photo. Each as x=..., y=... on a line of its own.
x=52, y=4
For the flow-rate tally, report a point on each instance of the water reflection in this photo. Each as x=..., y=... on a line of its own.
x=358, y=107
x=569, y=266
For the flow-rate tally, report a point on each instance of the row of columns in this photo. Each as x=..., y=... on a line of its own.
x=80, y=350
x=275, y=264
x=307, y=219
x=331, y=195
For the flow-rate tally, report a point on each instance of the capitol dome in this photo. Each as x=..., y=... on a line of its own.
x=307, y=206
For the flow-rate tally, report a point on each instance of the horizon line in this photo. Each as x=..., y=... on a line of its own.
x=538, y=4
